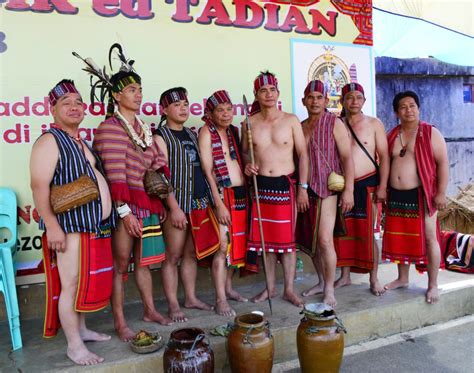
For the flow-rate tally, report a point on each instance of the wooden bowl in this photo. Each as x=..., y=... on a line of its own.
x=155, y=346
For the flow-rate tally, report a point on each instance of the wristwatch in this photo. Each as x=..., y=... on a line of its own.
x=303, y=185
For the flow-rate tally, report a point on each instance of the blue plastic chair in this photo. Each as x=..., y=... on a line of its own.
x=8, y=220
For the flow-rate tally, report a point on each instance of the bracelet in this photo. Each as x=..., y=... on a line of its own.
x=123, y=210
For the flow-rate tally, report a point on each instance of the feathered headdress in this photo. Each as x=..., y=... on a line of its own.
x=106, y=84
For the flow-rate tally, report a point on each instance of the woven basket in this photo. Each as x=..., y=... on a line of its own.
x=157, y=184
x=74, y=194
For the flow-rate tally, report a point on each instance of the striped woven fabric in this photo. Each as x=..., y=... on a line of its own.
x=404, y=237
x=323, y=151
x=152, y=246
x=125, y=166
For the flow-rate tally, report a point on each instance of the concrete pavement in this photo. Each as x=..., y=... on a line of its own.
x=366, y=317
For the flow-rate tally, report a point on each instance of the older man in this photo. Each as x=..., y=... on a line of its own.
x=357, y=251
x=329, y=151
x=76, y=243
x=222, y=166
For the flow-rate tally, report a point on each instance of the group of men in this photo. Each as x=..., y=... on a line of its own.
x=210, y=217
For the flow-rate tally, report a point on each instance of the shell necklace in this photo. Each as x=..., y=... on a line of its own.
x=148, y=139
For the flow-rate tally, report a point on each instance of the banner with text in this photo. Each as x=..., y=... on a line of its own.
x=201, y=45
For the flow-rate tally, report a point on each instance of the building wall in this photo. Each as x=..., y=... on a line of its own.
x=440, y=88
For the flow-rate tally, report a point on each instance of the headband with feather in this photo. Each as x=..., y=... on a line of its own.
x=110, y=84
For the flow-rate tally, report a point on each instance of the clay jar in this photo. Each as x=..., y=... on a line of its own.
x=250, y=345
x=320, y=339
x=188, y=352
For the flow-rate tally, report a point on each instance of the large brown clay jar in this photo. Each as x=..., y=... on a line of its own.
x=320, y=339
x=250, y=345
x=188, y=352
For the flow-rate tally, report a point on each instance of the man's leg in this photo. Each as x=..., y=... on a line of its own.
x=68, y=266
x=402, y=280
x=122, y=244
x=271, y=276
x=229, y=290
x=375, y=287
x=434, y=257
x=289, y=270
x=175, y=239
x=219, y=275
x=345, y=279
x=145, y=286
x=88, y=335
x=318, y=266
x=188, y=275
x=326, y=243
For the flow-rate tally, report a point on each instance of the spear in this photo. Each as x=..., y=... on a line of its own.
x=257, y=201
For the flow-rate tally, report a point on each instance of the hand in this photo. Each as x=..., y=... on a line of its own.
x=56, y=239
x=347, y=200
x=440, y=201
x=302, y=200
x=132, y=225
x=163, y=215
x=222, y=215
x=381, y=194
x=178, y=218
x=251, y=169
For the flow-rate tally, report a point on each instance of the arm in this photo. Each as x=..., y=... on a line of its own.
x=442, y=167
x=381, y=148
x=177, y=216
x=207, y=165
x=343, y=143
x=44, y=158
x=303, y=165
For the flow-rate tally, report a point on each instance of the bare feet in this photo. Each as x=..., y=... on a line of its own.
x=88, y=335
x=263, y=296
x=82, y=356
x=223, y=308
x=341, y=282
x=293, y=298
x=199, y=304
x=329, y=298
x=232, y=294
x=432, y=295
x=177, y=315
x=316, y=289
x=125, y=333
x=376, y=288
x=396, y=284
x=155, y=316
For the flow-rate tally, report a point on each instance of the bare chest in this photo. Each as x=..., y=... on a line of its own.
x=265, y=136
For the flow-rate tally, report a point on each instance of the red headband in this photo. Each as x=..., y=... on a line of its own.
x=315, y=86
x=60, y=90
x=350, y=87
x=217, y=98
x=264, y=79
x=173, y=96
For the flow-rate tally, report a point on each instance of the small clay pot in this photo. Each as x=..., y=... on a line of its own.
x=250, y=345
x=188, y=351
x=320, y=339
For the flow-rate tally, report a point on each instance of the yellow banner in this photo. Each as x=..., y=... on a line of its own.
x=201, y=45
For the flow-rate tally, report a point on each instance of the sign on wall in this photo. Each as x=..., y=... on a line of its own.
x=201, y=45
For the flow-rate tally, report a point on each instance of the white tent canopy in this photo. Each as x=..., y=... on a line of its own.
x=443, y=29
